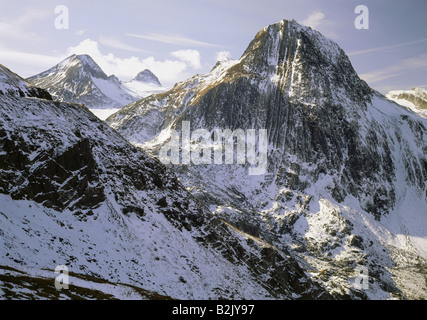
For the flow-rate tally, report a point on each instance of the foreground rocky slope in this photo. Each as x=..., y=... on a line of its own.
x=73, y=192
x=346, y=181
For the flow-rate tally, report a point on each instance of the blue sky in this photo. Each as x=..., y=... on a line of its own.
x=177, y=39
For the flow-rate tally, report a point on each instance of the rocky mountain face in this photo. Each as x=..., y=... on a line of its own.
x=73, y=192
x=346, y=180
x=415, y=99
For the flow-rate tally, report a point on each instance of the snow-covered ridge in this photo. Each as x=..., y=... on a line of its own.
x=141, y=90
x=12, y=84
x=415, y=99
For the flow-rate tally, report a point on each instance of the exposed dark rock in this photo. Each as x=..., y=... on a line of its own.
x=356, y=241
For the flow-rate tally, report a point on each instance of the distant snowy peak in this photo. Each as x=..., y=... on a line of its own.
x=12, y=84
x=144, y=84
x=85, y=62
x=147, y=76
x=72, y=65
x=415, y=99
x=79, y=79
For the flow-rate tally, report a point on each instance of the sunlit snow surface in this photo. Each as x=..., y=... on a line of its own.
x=402, y=97
x=103, y=113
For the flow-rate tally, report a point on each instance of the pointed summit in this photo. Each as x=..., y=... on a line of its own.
x=289, y=53
x=144, y=84
x=90, y=65
x=300, y=87
x=147, y=76
x=76, y=64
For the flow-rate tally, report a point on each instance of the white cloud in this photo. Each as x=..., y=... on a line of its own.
x=117, y=44
x=9, y=31
x=317, y=20
x=28, y=64
x=377, y=49
x=400, y=68
x=32, y=15
x=314, y=19
x=21, y=27
x=172, y=39
x=87, y=46
x=169, y=72
x=123, y=68
x=191, y=57
x=80, y=32
x=223, y=55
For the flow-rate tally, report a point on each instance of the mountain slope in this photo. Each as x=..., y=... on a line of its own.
x=12, y=84
x=344, y=163
x=415, y=99
x=73, y=192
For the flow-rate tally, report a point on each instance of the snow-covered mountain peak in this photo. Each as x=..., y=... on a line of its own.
x=342, y=159
x=144, y=84
x=274, y=43
x=421, y=91
x=147, y=76
x=87, y=61
x=287, y=52
x=80, y=63
x=79, y=79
